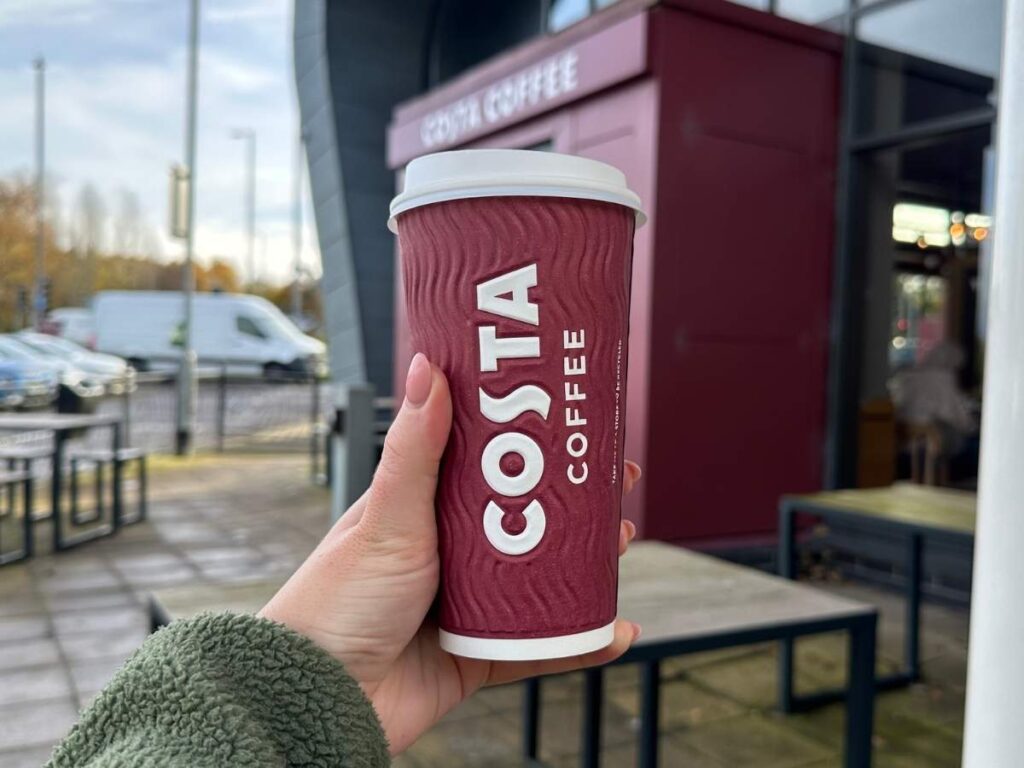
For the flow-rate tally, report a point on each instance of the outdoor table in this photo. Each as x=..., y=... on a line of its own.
x=686, y=602
x=62, y=425
x=912, y=512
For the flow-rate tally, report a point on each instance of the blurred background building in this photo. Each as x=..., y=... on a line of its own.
x=818, y=177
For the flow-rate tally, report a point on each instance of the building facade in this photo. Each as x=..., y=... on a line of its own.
x=815, y=176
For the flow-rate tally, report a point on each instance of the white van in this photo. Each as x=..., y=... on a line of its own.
x=240, y=331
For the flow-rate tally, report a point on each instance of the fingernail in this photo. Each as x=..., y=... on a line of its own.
x=636, y=471
x=418, y=381
x=630, y=530
x=637, y=630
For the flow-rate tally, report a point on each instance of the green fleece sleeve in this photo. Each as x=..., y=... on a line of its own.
x=227, y=690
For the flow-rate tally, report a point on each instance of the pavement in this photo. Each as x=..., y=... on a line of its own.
x=67, y=622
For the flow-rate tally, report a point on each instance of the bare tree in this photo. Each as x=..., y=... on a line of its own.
x=88, y=237
x=128, y=236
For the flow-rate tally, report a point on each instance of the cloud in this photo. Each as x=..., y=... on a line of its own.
x=245, y=11
x=115, y=112
x=37, y=13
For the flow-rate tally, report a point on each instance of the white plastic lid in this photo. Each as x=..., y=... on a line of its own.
x=510, y=172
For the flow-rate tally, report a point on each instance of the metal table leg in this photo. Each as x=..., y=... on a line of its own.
x=27, y=532
x=860, y=702
x=787, y=570
x=912, y=638
x=118, y=490
x=55, y=489
x=650, y=695
x=593, y=691
x=531, y=717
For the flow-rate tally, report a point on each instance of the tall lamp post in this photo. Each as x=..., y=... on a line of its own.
x=993, y=737
x=186, y=406
x=296, y=298
x=37, y=307
x=248, y=135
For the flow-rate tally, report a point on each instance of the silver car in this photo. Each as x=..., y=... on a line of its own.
x=71, y=377
x=116, y=375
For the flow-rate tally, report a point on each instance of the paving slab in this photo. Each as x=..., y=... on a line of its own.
x=98, y=645
x=33, y=757
x=89, y=676
x=24, y=627
x=24, y=654
x=683, y=704
x=34, y=684
x=36, y=724
x=754, y=741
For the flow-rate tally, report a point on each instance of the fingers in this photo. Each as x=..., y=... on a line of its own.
x=401, y=497
x=631, y=473
x=626, y=633
x=627, y=532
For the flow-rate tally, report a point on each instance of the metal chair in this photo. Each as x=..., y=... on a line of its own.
x=101, y=459
x=10, y=482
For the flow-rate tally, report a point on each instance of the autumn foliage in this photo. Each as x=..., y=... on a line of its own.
x=77, y=270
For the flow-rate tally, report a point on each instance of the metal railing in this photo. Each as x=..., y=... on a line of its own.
x=234, y=409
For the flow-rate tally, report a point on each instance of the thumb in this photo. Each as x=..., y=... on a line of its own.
x=401, y=498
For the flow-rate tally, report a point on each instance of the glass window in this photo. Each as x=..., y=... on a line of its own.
x=925, y=59
x=828, y=12
x=565, y=13
x=966, y=36
x=919, y=322
x=249, y=327
x=761, y=5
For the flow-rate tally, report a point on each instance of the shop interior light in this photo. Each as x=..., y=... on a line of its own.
x=904, y=234
x=976, y=220
x=938, y=239
x=979, y=233
x=925, y=225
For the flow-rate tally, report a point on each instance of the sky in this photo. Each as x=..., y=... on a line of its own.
x=116, y=102
x=115, y=113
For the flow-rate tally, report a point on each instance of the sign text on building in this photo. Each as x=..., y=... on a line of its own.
x=528, y=88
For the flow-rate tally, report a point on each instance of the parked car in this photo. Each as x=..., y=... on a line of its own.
x=72, y=323
x=72, y=380
x=244, y=332
x=23, y=385
x=109, y=370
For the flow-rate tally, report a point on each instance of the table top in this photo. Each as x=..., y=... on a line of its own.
x=908, y=503
x=55, y=422
x=673, y=593
x=677, y=595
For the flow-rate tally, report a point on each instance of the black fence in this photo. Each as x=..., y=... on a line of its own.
x=233, y=410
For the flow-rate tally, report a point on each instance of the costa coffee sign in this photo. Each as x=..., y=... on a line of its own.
x=552, y=79
x=528, y=88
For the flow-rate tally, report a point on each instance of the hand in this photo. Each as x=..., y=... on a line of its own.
x=364, y=593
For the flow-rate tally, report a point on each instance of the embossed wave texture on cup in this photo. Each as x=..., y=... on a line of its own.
x=583, y=252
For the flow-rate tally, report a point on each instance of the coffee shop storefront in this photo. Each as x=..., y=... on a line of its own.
x=724, y=121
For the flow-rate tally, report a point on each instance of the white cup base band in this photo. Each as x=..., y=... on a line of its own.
x=528, y=648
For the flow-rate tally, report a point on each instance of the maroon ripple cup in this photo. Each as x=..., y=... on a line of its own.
x=516, y=268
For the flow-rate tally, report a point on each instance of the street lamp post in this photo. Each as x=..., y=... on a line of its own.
x=249, y=136
x=296, y=298
x=186, y=406
x=38, y=295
